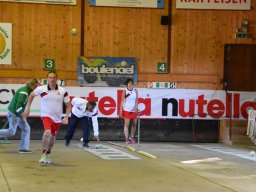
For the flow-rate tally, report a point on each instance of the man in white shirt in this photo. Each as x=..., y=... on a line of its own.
x=84, y=111
x=52, y=98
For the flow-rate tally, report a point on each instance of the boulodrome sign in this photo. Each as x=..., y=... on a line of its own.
x=6, y=43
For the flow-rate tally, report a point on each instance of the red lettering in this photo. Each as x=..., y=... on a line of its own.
x=245, y=106
x=92, y=97
x=236, y=105
x=201, y=102
x=147, y=106
x=191, y=109
x=119, y=99
x=228, y=104
x=215, y=105
x=107, y=105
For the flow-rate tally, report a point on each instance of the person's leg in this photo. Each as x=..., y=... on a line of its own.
x=51, y=129
x=73, y=122
x=51, y=143
x=47, y=122
x=46, y=140
x=126, y=129
x=54, y=130
x=133, y=130
x=13, y=123
x=49, y=148
x=25, y=136
x=86, y=130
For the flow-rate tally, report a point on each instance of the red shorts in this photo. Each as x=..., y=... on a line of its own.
x=129, y=115
x=50, y=125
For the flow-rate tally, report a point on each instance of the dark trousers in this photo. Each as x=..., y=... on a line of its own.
x=73, y=122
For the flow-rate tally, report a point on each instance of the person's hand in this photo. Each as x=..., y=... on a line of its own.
x=65, y=120
x=121, y=113
x=25, y=114
x=97, y=138
x=23, y=118
x=135, y=109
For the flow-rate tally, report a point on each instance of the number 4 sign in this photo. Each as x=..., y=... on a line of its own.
x=162, y=68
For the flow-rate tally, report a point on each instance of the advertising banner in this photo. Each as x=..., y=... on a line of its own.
x=214, y=4
x=128, y=3
x=155, y=103
x=106, y=71
x=5, y=43
x=65, y=2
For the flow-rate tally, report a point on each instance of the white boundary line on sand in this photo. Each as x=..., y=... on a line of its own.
x=229, y=151
x=206, y=160
x=108, y=153
x=134, y=150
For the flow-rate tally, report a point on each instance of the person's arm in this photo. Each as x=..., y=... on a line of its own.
x=95, y=125
x=27, y=109
x=21, y=99
x=68, y=109
x=122, y=103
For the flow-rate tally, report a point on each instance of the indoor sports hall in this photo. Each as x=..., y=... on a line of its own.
x=127, y=95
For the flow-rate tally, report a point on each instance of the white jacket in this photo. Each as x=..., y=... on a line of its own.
x=79, y=110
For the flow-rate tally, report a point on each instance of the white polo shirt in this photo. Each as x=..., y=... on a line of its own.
x=129, y=100
x=52, y=101
x=79, y=110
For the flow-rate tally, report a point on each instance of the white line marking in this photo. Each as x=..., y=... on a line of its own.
x=207, y=160
x=235, y=152
x=108, y=153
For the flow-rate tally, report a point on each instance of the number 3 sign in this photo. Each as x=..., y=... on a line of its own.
x=49, y=64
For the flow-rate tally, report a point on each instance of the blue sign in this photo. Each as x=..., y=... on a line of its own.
x=128, y=3
x=106, y=71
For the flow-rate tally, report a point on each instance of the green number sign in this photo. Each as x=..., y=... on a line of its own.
x=162, y=68
x=49, y=64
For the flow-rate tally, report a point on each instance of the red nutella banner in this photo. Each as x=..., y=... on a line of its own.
x=155, y=103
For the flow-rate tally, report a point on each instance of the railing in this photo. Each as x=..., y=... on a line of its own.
x=251, y=126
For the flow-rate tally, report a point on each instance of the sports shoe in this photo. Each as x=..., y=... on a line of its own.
x=43, y=158
x=67, y=143
x=127, y=141
x=86, y=145
x=132, y=140
x=48, y=159
x=24, y=151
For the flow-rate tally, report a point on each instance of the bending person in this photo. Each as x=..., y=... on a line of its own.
x=84, y=111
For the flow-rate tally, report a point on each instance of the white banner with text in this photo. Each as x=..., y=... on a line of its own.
x=214, y=4
x=155, y=103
